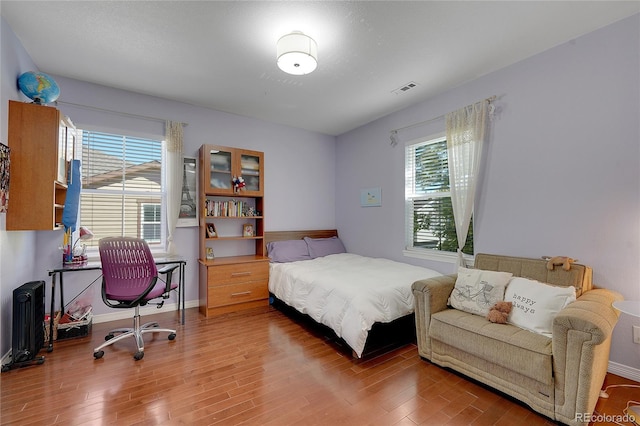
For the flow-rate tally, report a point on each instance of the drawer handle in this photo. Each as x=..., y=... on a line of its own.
x=240, y=274
x=242, y=293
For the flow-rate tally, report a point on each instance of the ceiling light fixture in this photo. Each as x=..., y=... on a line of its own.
x=297, y=53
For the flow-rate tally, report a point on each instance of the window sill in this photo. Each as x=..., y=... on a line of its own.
x=437, y=256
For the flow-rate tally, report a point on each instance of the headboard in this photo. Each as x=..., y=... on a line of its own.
x=296, y=235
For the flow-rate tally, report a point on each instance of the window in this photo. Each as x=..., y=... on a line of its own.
x=429, y=220
x=150, y=221
x=122, y=192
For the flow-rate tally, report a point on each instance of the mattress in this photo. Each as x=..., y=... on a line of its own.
x=348, y=292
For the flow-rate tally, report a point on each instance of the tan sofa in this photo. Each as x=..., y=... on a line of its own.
x=559, y=377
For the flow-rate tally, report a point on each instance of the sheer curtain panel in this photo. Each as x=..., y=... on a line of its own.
x=466, y=130
x=174, y=157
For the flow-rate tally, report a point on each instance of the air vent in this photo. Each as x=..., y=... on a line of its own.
x=405, y=88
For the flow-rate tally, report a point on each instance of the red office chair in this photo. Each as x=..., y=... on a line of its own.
x=130, y=280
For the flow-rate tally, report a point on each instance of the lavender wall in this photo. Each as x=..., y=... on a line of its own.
x=299, y=174
x=561, y=173
x=17, y=249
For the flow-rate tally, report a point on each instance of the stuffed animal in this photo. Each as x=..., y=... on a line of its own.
x=559, y=260
x=500, y=312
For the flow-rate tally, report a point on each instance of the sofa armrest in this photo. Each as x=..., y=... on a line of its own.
x=581, y=343
x=430, y=296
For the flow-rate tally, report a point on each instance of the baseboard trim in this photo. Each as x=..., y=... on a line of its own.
x=624, y=371
x=145, y=310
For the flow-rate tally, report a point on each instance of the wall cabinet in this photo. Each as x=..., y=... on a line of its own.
x=234, y=270
x=42, y=142
x=223, y=164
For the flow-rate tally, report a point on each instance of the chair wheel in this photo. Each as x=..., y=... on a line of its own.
x=138, y=355
x=109, y=337
x=172, y=336
x=98, y=355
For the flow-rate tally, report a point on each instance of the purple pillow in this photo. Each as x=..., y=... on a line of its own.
x=319, y=247
x=288, y=251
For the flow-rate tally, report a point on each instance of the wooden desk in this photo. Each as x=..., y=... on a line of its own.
x=96, y=266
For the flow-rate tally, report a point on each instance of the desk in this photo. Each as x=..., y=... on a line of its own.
x=96, y=266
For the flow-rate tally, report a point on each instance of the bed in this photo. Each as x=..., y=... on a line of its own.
x=366, y=302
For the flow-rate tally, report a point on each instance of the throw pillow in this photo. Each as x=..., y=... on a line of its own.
x=288, y=251
x=319, y=247
x=476, y=291
x=536, y=304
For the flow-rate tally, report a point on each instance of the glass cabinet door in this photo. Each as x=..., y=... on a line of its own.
x=250, y=171
x=61, y=175
x=220, y=178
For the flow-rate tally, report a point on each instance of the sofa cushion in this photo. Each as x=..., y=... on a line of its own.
x=476, y=291
x=536, y=304
x=506, y=345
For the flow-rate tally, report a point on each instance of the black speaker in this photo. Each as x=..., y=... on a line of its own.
x=28, y=325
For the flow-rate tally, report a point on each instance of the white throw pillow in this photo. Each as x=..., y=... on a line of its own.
x=476, y=291
x=536, y=304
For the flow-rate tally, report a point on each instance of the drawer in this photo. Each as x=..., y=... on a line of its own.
x=237, y=293
x=237, y=273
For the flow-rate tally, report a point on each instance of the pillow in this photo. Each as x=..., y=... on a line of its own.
x=476, y=291
x=288, y=251
x=536, y=304
x=319, y=247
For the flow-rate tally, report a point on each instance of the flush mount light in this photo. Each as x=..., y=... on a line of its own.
x=297, y=53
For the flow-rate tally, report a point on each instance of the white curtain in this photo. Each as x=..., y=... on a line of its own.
x=174, y=158
x=466, y=130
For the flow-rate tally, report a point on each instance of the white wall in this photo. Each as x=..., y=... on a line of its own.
x=561, y=173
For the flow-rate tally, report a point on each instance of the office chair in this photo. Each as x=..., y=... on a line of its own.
x=130, y=280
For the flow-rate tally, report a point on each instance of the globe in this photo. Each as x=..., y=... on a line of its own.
x=39, y=86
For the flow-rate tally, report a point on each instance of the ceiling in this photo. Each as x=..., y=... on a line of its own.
x=221, y=54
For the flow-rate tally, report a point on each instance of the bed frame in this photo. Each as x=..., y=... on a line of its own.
x=382, y=337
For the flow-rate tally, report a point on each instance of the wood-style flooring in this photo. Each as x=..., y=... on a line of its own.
x=257, y=367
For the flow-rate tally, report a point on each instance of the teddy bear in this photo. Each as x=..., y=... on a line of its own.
x=559, y=260
x=500, y=312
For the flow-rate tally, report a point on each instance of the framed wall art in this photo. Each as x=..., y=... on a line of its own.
x=189, y=199
x=370, y=197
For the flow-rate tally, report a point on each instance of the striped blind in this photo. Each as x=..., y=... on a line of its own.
x=429, y=214
x=122, y=192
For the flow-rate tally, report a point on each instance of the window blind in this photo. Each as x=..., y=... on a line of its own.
x=429, y=214
x=122, y=190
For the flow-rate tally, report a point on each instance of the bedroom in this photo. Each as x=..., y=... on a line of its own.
x=567, y=138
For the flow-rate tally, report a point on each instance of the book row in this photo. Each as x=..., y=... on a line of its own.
x=229, y=208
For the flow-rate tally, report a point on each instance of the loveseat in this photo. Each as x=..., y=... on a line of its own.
x=558, y=376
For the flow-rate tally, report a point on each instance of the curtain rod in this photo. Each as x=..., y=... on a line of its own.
x=127, y=114
x=440, y=117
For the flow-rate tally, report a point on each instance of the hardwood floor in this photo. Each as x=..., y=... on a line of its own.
x=254, y=367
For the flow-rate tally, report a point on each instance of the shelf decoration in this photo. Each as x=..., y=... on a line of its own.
x=210, y=254
x=247, y=230
x=211, y=231
x=238, y=183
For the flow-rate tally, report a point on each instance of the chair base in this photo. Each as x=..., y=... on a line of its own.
x=136, y=332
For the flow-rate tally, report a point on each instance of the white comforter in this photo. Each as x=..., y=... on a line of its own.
x=348, y=292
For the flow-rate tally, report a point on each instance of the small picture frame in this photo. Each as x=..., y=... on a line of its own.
x=210, y=254
x=211, y=231
x=247, y=230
